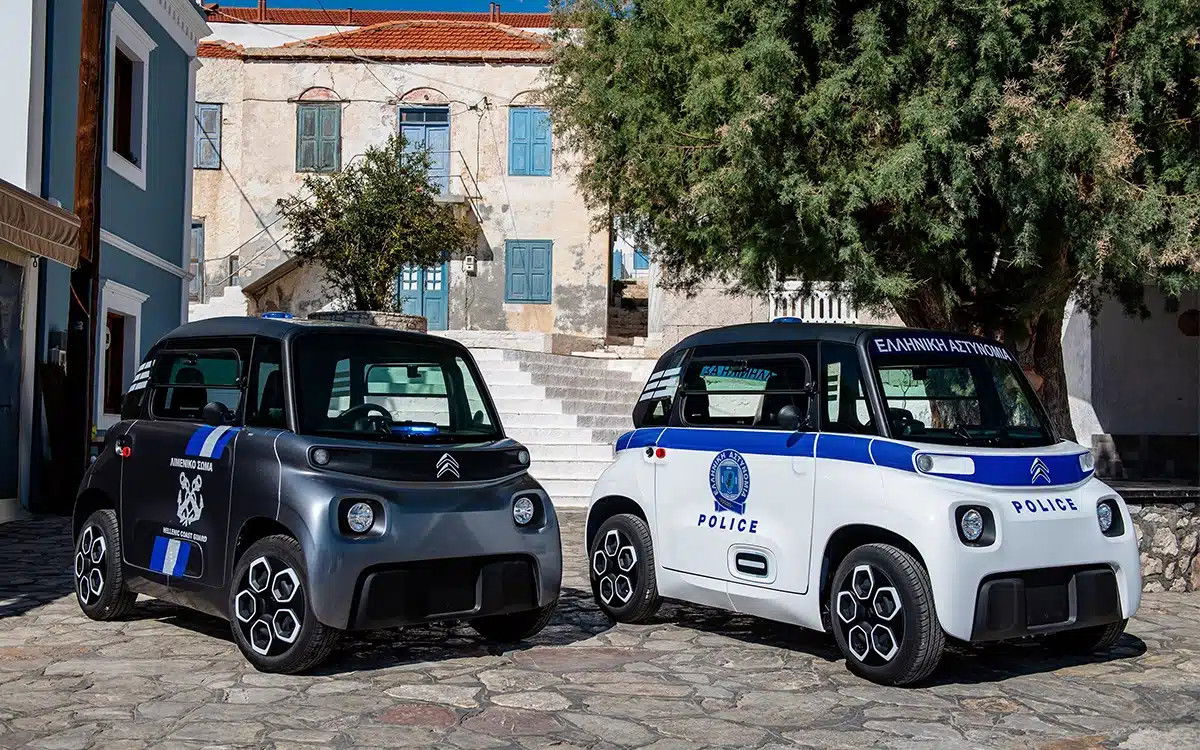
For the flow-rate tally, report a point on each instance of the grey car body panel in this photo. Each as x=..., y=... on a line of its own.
x=264, y=479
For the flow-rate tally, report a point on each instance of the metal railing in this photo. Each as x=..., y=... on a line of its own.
x=818, y=304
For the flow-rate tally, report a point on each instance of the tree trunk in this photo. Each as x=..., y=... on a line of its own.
x=1039, y=352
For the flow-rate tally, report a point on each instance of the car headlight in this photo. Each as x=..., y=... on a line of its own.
x=1104, y=514
x=360, y=518
x=523, y=511
x=971, y=525
x=1087, y=462
x=523, y=457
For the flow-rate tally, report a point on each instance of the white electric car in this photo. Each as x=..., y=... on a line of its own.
x=895, y=486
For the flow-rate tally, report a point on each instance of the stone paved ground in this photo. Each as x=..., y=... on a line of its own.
x=694, y=678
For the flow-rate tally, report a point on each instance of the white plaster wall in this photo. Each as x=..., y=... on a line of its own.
x=258, y=148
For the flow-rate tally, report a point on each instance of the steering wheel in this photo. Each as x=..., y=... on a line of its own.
x=363, y=411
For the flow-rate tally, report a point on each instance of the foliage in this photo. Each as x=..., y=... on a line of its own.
x=971, y=163
x=365, y=223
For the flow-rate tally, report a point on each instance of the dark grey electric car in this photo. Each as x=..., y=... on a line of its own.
x=303, y=478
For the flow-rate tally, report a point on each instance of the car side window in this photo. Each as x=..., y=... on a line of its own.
x=184, y=381
x=844, y=406
x=265, y=406
x=749, y=391
x=653, y=408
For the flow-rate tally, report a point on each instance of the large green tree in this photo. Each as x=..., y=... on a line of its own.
x=362, y=225
x=971, y=163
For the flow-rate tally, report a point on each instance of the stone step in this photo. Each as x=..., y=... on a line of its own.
x=564, y=488
x=562, y=406
x=571, y=502
x=523, y=420
x=521, y=390
x=555, y=371
x=576, y=469
x=605, y=421
x=533, y=436
x=570, y=452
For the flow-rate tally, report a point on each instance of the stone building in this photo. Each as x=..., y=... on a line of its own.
x=276, y=108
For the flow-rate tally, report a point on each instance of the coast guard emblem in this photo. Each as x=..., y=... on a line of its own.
x=189, y=503
x=729, y=480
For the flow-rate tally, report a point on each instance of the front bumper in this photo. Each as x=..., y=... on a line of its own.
x=1036, y=602
x=446, y=550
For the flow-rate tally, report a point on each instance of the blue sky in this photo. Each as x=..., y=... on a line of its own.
x=480, y=6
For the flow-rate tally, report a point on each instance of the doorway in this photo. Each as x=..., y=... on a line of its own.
x=11, y=296
x=423, y=291
x=428, y=129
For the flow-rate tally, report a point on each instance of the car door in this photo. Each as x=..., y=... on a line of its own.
x=175, y=481
x=734, y=486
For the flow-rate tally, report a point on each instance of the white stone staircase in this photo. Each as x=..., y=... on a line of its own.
x=567, y=410
x=230, y=302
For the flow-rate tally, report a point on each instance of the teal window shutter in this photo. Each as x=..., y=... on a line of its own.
x=518, y=141
x=207, y=153
x=529, y=142
x=539, y=149
x=528, y=271
x=318, y=137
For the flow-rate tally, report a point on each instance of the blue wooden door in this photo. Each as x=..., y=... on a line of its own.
x=428, y=129
x=10, y=375
x=424, y=291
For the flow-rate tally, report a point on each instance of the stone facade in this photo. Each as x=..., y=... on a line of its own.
x=395, y=321
x=1167, y=537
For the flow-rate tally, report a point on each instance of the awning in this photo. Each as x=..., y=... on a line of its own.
x=33, y=225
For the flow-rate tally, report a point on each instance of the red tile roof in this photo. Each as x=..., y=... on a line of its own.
x=431, y=36
x=352, y=17
x=220, y=49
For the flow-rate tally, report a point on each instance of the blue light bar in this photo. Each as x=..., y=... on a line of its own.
x=787, y=319
x=278, y=315
x=416, y=429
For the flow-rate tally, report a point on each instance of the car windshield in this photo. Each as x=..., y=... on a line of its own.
x=367, y=386
x=956, y=391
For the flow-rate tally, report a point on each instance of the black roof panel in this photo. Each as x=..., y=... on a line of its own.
x=286, y=328
x=771, y=332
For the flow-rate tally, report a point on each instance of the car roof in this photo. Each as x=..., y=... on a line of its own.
x=753, y=333
x=286, y=328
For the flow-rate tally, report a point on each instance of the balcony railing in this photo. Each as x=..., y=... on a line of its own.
x=819, y=304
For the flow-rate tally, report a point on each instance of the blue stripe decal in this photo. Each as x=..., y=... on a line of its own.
x=159, y=553
x=892, y=455
x=224, y=441
x=990, y=469
x=844, y=448
x=196, y=443
x=185, y=549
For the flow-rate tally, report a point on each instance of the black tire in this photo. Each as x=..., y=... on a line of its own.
x=514, y=627
x=264, y=602
x=911, y=635
x=1086, y=640
x=101, y=563
x=625, y=594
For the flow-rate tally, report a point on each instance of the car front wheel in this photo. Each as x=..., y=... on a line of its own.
x=621, y=564
x=883, y=618
x=270, y=609
x=99, y=586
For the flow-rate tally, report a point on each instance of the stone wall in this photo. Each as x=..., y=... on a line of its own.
x=395, y=321
x=1167, y=538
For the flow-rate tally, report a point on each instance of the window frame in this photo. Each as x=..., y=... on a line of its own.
x=136, y=44
x=529, y=299
x=867, y=384
x=252, y=384
x=529, y=170
x=173, y=347
x=127, y=301
x=318, y=107
x=201, y=135
x=679, y=399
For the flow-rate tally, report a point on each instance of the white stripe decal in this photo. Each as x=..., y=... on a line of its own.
x=145, y=366
x=170, y=558
x=210, y=443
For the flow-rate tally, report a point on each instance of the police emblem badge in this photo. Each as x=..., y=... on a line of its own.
x=729, y=480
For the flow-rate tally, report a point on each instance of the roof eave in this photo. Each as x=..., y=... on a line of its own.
x=386, y=55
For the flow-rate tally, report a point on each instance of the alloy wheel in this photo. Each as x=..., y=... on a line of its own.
x=269, y=606
x=614, y=567
x=867, y=611
x=89, y=564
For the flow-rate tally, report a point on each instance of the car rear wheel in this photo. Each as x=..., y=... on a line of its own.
x=881, y=607
x=621, y=565
x=1086, y=640
x=516, y=626
x=99, y=585
x=270, y=610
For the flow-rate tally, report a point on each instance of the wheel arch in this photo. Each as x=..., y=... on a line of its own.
x=253, y=529
x=846, y=538
x=88, y=502
x=605, y=508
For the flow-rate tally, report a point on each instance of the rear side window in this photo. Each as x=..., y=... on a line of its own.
x=183, y=382
x=733, y=391
x=844, y=406
x=266, y=403
x=653, y=408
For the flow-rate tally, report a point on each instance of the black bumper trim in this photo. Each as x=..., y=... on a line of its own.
x=451, y=589
x=1047, y=600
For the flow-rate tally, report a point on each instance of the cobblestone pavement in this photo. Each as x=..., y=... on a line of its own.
x=694, y=678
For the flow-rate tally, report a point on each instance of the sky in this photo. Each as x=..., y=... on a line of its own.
x=479, y=6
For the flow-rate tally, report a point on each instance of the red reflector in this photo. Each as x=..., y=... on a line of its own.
x=126, y=452
x=660, y=452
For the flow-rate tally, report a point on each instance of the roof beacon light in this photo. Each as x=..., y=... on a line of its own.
x=278, y=315
x=787, y=319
